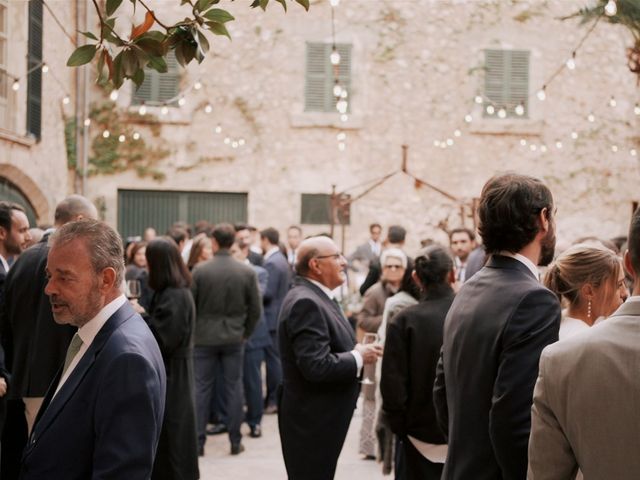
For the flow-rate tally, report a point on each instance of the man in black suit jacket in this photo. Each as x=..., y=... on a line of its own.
x=321, y=365
x=277, y=287
x=35, y=345
x=102, y=415
x=494, y=334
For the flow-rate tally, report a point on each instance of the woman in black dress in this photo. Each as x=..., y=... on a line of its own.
x=171, y=317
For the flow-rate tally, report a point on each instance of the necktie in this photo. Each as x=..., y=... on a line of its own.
x=72, y=351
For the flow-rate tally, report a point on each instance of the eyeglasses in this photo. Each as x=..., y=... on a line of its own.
x=394, y=267
x=335, y=256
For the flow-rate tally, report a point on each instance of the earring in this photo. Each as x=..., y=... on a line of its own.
x=589, y=310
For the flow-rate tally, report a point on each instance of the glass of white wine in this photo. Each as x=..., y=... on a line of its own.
x=368, y=339
x=133, y=289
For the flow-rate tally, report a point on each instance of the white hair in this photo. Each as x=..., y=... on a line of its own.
x=393, y=253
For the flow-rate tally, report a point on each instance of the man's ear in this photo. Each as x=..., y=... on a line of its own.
x=543, y=218
x=3, y=233
x=108, y=278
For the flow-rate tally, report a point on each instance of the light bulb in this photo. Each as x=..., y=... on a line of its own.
x=122, y=138
x=182, y=101
x=523, y=142
x=344, y=94
x=342, y=146
x=558, y=144
x=436, y=143
x=443, y=144
x=136, y=136
x=611, y=8
x=457, y=133
x=636, y=109
x=344, y=117
x=87, y=122
x=449, y=142
x=341, y=136
x=227, y=141
x=633, y=152
x=519, y=110
x=218, y=129
x=335, y=58
x=45, y=68
x=66, y=100
x=533, y=147
x=241, y=142
x=612, y=102
x=208, y=108
x=16, y=85
x=478, y=99
x=491, y=109
x=234, y=144
x=614, y=148
x=164, y=110
x=106, y=134
x=591, y=117
x=197, y=85
x=334, y=3
x=337, y=90
x=113, y=95
x=574, y=135
x=542, y=95
x=468, y=118
x=342, y=106
x=543, y=148
x=571, y=64
x=502, y=113
x=142, y=110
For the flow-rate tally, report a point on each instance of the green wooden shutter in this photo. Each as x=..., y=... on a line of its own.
x=506, y=80
x=159, y=87
x=319, y=76
x=34, y=79
x=316, y=210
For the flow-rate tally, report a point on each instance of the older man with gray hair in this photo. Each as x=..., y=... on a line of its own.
x=102, y=415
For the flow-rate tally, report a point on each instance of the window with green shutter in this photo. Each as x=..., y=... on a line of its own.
x=506, y=83
x=159, y=87
x=320, y=76
x=34, y=79
x=316, y=210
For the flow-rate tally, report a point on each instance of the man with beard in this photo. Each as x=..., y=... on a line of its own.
x=494, y=334
x=102, y=415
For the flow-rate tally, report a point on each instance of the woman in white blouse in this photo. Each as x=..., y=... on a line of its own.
x=590, y=279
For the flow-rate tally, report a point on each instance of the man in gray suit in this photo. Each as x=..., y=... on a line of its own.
x=585, y=402
x=228, y=307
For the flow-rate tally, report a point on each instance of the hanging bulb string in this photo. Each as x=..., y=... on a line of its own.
x=59, y=23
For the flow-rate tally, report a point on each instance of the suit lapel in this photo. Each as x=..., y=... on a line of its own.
x=627, y=308
x=53, y=405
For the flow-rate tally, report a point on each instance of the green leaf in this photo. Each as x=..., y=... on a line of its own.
x=304, y=3
x=263, y=4
x=151, y=45
x=218, y=29
x=138, y=78
x=129, y=63
x=203, y=44
x=100, y=67
x=283, y=3
x=90, y=35
x=112, y=6
x=159, y=64
x=82, y=55
x=218, y=15
x=202, y=5
x=118, y=74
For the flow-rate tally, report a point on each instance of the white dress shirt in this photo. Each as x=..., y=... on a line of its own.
x=88, y=332
x=355, y=353
x=271, y=252
x=522, y=259
x=5, y=264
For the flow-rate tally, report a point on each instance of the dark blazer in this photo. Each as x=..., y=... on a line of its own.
x=227, y=299
x=255, y=258
x=35, y=345
x=411, y=352
x=277, y=287
x=494, y=333
x=172, y=319
x=105, y=421
x=320, y=384
x=260, y=337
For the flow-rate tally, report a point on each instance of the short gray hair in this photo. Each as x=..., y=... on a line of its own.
x=103, y=243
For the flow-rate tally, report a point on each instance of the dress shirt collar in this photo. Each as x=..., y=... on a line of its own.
x=5, y=264
x=89, y=330
x=633, y=298
x=322, y=287
x=272, y=251
x=522, y=259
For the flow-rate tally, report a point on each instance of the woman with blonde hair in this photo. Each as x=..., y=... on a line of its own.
x=590, y=280
x=201, y=250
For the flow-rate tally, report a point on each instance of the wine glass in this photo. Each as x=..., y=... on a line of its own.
x=133, y=289
x=368, y=339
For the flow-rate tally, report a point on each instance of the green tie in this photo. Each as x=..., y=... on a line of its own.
x=72, y=351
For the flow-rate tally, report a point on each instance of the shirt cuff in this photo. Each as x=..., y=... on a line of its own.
x=359, y=361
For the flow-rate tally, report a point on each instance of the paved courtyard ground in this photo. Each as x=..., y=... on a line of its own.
x=262, y=458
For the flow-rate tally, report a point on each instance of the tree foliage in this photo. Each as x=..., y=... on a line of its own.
x=121, y=58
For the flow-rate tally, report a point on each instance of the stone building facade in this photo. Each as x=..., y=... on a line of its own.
x=415, y=69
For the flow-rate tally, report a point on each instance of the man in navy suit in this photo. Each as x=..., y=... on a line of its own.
x=277, y=287
x=102, y=415
x=321, y=365
x=494, y=334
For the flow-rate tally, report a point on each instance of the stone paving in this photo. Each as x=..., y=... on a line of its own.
x=262, y=458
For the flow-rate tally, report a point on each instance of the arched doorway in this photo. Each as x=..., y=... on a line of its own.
x=11, y=193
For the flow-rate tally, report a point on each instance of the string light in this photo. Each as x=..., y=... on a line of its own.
x=449, y=142
x=16, y=85
x=122, y=138
x=614, y=148
x=574, y=135
x=337, y=89
x=478, y=99
x=218, y=129
x=241, y=142
x=341, y=136
x=542, y=95
x=182, y=101
x=533, y=147
x=571, y=63
x=558, y=144
x=543, y=148
x=164, y=110
x=208, y=108
x=591, y=117
x=611, y=8
x=234, y=144
x=633, y=152
x=142, y=110
x=436, y=143
x=136, y=136
x=523, y=142
x=197, y=85
x=342, y=146
x=457, y=133
x=342, y=106
x=106, y=134
x=113, y=95
x=344, y=117
x=87, y=122
x=519, y=109
x=636, y=109
x=491, y=109
x=227, y=141
x=468, y=118
x=45, y=68
x=66, y=100
x=334, y=57
x=502, y=113
x=612, y=102
x=334, y=3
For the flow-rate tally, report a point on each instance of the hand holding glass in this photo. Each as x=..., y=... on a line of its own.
x=368, y=339
x=133, y=289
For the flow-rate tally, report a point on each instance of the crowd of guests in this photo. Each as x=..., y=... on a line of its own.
x=507, y=358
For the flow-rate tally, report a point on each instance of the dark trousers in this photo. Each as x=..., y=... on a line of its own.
x=218, y=409
x=253, y=385
x=206, y=360
x=14, y=439
x=274, y=369
x=418, y=467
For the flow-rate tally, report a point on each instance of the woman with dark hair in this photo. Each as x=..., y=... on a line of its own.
x=171, y=318
x=136, y=269
x=411, y=352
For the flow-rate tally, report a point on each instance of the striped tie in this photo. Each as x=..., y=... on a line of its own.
x=72, y=351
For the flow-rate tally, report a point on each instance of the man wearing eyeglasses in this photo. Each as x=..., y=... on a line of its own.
x=321, y=364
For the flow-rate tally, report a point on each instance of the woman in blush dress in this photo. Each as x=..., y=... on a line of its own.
x=171, y=318
x=590, y=280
